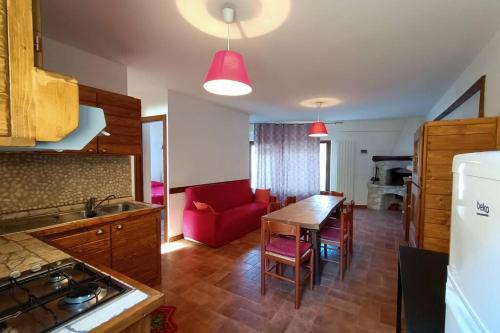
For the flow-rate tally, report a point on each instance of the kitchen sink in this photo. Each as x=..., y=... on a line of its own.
x=118, y=208
x=40, y=221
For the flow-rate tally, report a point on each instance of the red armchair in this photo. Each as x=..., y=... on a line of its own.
x=235, y=212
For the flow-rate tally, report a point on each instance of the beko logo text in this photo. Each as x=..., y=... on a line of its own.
x=483, y=209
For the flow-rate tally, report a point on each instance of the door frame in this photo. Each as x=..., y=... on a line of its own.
x=163, y=119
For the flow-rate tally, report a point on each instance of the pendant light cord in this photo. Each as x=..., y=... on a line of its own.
x=319, y=104
x=228, y=37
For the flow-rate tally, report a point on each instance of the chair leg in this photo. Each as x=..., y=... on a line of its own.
x=311, y=271
x=341, y=263
x=297, y=283
x=325, y=251
x=263, y=275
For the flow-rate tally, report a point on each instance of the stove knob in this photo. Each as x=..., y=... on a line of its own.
x=15, y=274
x=36, y=268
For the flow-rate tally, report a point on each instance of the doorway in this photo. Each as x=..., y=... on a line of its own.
x=154, y=162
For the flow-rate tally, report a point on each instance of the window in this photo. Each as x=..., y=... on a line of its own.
x=253, y=165
x=324, y=165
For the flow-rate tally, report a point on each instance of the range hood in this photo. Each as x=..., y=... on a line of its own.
x=91, y=123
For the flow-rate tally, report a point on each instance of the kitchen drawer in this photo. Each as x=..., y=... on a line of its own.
x=94, y=253
x=81, y=237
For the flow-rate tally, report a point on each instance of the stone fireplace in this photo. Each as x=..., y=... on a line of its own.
x=386, y=188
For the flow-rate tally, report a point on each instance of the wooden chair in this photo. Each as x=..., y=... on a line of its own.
x=338, y=238
x=277, y=246
x=273, y=206
x=334, y=221
x=290, y=200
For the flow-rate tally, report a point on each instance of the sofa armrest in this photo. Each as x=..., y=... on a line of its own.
x=200, y=226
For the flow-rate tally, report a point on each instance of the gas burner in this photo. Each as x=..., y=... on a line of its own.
x=56, y=277
x=83, y=294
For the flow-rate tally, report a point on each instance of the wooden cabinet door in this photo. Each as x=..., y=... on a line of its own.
x=414, y=230
x=135, y=249
x=123, y=123
x=92, y=245
x=88, y=96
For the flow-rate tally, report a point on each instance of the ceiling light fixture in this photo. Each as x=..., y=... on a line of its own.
x=227, y=74
x=318, y=128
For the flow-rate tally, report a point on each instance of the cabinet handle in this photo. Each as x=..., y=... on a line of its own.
x=119, y=227
x=99, y=232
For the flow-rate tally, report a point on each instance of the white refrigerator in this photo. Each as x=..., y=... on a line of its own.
x=473, y=284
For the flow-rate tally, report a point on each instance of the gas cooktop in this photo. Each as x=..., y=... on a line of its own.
x=51, y=295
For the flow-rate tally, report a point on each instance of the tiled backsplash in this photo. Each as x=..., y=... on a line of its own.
x=36, y=181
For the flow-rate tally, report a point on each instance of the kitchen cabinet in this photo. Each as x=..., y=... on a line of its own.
x=35, y=105
x=437, y=142
x=128, y=243
x=123, y=122
x=92, y=245
x=135, y=250
x=88, y=96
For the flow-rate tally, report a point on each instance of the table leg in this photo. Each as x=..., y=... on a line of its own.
x=398, y=307
x=317, y=268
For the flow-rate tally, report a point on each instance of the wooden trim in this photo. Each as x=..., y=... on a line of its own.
x=479, y=85
x=175, y=238
x=138, y=179
x=163, y=119
x=182, y=189
x=391, y=158
x=328, y=163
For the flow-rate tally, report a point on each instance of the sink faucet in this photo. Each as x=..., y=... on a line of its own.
x=91, y=205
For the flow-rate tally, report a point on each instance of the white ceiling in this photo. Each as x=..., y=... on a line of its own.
x=382, y=58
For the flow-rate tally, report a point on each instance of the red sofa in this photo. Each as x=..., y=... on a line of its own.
x=235, y=212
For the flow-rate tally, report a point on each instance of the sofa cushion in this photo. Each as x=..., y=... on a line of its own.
x=238, y=221
x=203, y=206
x=221, y=196
x=262, y=195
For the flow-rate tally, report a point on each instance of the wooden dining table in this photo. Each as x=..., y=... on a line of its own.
x=309, y=214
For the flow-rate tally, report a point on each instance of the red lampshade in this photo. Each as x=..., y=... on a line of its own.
x=227, y=75
x=318, y=129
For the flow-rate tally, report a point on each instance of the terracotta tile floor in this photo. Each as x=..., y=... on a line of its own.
x=218, y=290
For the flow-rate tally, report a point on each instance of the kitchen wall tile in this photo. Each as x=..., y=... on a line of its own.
x=38, y=182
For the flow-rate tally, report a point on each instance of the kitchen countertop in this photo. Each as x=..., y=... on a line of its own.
x=20, y=251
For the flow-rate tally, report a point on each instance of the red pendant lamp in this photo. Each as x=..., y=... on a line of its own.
x=318, y=128
x=227, y=74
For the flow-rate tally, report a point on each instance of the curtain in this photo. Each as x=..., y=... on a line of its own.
x=346, y=160
x=287, y=160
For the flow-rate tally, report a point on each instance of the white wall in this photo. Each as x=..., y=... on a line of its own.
x=208, y=143
x=379, y=137
x=89, y=69
x=154, y=101
x=486, y=62
x=404, y=143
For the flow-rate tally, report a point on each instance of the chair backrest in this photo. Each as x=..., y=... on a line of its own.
x=346, y=217
x=332, y=193
x=273, y=206
x=290, y=200
x=275, y=229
